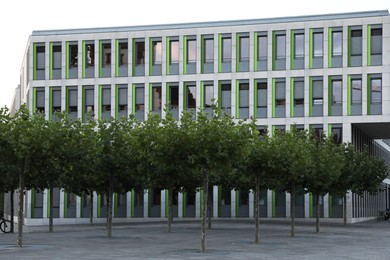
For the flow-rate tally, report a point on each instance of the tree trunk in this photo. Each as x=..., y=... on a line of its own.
x=209, y=204
x=91, y=209
x=109, y=210
x=317, y=198
x=203, y=221
x=257, y=210
x=345, y=209
x=51, y=209
x=12, y=210
x=170, y=208
x=19, y=239
x=292, y=209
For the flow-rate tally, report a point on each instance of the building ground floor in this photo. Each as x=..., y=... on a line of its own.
x=225, y=203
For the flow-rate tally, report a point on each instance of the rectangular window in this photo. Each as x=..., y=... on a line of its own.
x=209, y=50
x=106, y=102
x=140, y=52
x=139, y=104
x=299, y=44
x=174, y=99
x=106, y=54
x=280, y=46
x=337, y=43
x=356, y=91
x=317, y=96
x=375, y=105
x=280, y=98
x=375, y=56
x=262, y=47
x=261, y=99
x=72, y=102
x=56, y=100
x=123, y=53
x=299, y=97
x=226, y=49
x=174, y=51
x=226, y=97
x=190, y=96
x=356, y=47
x=244, y=48
x=57, y=57
x=122, y=101
x=318, y=44
x=89, y=102
x=191, y=50
x=40, y=56
x=40, y=100
x=72, y=60
x=156, y=99
x=90, y=54
x=337, y=133
x=157, y=52
x=243, y=100
x=337, y=92
x=208, y=94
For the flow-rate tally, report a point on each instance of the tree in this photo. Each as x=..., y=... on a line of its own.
x=216, y=142
x=325, y=168
x=290, y=159
x=255, y=169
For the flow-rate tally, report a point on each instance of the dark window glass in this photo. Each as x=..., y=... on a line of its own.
x=73, y=55
x=226, y=49
x=318, y=44
x=90, y=54
x=191, y=96
x=106, y=54
x=337, y=44
x=139, y=99
x=209, y=50
x=356, y=91
x=299, y=45
x=376, y=90
x=244, y=48
x=191, y=51
x=140, y=53
x=262, y=47
x=280, y=46
x=123, y=53
x=174, y=97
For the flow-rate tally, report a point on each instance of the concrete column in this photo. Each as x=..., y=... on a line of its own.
x=349, y=207
x=307, y=205
x=288, y=205
x=162, y=204
x=146, y=204
x=233, y=203
x=78, y=207
x=45, y=203
x=326, y=206
x=95, y=204
x=269, y=203
x=28, y=198
x=180, y=205
x=251, y=204
x=197, y=204
x=128, y=204
x=62, y=205
x=215, y=201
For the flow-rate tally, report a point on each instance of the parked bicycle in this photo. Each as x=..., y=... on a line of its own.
x=5, y=224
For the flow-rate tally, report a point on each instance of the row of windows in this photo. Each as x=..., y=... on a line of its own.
x=277, y=39
x=227, y=94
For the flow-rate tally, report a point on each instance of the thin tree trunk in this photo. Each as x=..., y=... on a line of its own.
x=203, y=221
x=317, y=198
x=51, y=209
x=109, y=210
x=91, y=209
x=12, y=211
x=170, y=208
x=292, y=209
x=19, y=239
x=345, y=209
x=209, y=204
x=257, y=210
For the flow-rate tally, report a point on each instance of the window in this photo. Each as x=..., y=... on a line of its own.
x=174, y=52
x=280, y=98
x=174, y=99
x=139, y=105
x=122, y=100
x=73, y=55
x=299, y=43
x=191, y=51
x=208, y=95
x=40, y=100
x=375, y=94
x=226, y=97
x=318, y=44
x=243, y=100
x=106, y=102
x=337, y=43
x=226, y=49
x=337, y=91
x=261, y=99
x=72, y=102
x=56, y=57
x=40, y=56
x=299, y=97
x=262, y=47
x=191, y=95
x=123, y=53
x=244, y=48
x=89, y=102
x=280, y=46
x=156, y=99
x=337, y=133
x=376, y=90
x=90, y=54
x=317, y=92
x=106, y=54
x=56, y=100
x=140, y=52
x=356, y=91
x=157, y=52
x=356, y=42
x=209, y=50
x=376, y=41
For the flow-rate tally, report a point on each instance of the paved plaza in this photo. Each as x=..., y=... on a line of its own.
x=228, y=239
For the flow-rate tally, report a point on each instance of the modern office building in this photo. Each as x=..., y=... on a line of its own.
x=328, y=72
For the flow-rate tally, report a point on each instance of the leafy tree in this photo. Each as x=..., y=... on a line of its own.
x=324, y=169
x=255, y=169
x=290, y=159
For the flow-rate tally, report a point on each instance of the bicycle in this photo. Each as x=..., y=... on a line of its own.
x=5, y=225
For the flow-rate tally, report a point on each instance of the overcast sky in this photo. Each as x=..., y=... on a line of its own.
x=19, y=18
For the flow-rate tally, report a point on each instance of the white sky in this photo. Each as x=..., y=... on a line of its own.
x=19, y=18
